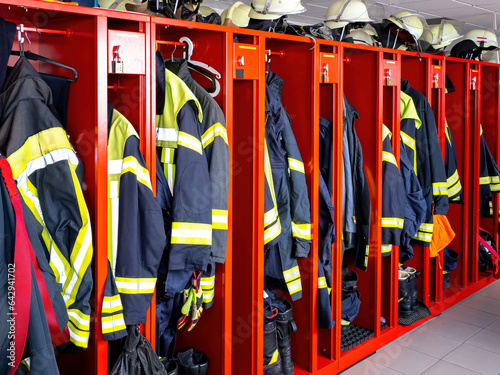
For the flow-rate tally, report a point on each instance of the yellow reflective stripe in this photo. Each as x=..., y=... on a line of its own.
x=188, y=141
x=208, y=297
x=495, y=179
x=212, y=132
x=440, y=188
x=78, y=337
x=135, y=285
x=82, y=324
x=410, y=142
x=481, y=131
x=423, y=236
x=389, y=157
x=495, y=187
x=111, y=304
x=268, y=173
x=392, y=222
x=166, y=134
x=272, y=232
x=270, y=216
x=191, y=233
x=167, y=155
x=386, y=249
x=301, y=231
x=447, y=132
x=274, y=357
x=113, y=323
x=219, y=219
x=81, y=253
x=36, y=146
x=131, y=164
x=485, y=180
x=454, y=178
x=344, y=322
x=453, y=190
x=27, y=363
x=294, y=286
x=367, y=252
x=291, y=274
x=429, y=227
x=296, y=165
x=322, y=282
x=207, y=282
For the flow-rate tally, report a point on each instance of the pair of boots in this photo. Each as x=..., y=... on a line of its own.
x=187, y=363
x=408, y=294
x=277, y=342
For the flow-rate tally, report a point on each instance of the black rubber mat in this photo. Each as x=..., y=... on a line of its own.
x=421, y=313
x=355, y=335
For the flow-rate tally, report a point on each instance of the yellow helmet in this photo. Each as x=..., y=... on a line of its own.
x=442, y=35
x=361, y=36
x=411, y=22
x=479, y=36
x=236, y=15
x=343, y=12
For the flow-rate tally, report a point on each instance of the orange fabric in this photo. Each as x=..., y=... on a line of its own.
x=442, y=234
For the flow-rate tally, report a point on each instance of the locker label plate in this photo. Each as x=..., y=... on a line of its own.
x=246, y=61
x=132, y=52
x=328, y=65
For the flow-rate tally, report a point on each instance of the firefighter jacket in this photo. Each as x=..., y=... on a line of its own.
x=215, y=144
x=27, y=317
x=288, y=182
x=415, y=208
x=393, y=196
x=450, y=161
x=44, y=164
x=326, y=229
x=188, y=200
x=430, y=166
x=356, y=195
x=135, y=226
x=489, y=174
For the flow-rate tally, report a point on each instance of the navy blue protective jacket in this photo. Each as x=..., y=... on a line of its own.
x=288, y=192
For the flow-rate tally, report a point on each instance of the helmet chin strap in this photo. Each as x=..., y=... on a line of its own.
x=266, y=7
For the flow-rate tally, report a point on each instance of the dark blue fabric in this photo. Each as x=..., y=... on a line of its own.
x=350, y=307
x=7, y=35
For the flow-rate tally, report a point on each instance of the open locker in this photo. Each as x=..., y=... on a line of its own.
x=490, y=115
x=365, y=75
x=207, y=50
x=283, y=55
x=460, y=119
x=426, y=74
x=329, y=107
x=60, y=34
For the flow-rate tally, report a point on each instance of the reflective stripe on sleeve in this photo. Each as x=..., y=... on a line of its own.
x=191, y=233
x=188, y=141
x=219, y=219
x=301, y=231
x=296, y=165
x=392, y=222
x=216, y=130
x=128, y=285
x=389, y=157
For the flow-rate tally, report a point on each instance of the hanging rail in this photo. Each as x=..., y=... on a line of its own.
x=23, y=28
x=273, y=53
x=170, y=43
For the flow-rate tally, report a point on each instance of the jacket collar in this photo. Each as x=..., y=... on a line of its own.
x=405, y=85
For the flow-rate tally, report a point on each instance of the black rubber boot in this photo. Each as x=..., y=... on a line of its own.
x=272, y=358
x=285, y=327
x=414, y=274
x=404, y=299
x=192, y=363
x=349, y=282
x=170, y=365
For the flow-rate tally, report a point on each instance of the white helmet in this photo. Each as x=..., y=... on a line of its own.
x=411, y=22
x=361, y=36
x=206, y=11
x=236, y=15
x=115, y=4
x=343, y=12
x=442, y=35
x=479, y=36
x=272, y=9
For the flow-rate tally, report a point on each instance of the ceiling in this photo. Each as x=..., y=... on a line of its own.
x=482, y=13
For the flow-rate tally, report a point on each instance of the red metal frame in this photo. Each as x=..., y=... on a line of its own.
x=232, y=331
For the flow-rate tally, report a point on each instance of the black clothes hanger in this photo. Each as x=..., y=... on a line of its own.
x=33, y=56
x=206, y=74
x=21, y=34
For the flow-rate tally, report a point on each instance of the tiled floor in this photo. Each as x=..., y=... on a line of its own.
x=464, y=340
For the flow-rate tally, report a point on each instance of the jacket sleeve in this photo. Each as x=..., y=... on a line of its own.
x=216, y=148
x=300, y=208
x=140, y=240
x=393, y=198
x=68, y=235
x=489, y=180
x=450, y=161
x=438, y=173
x=272, y=224
x=191, y=237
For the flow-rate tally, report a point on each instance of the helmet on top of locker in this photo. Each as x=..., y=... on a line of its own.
x=443, y=34
x=236, y=15
x=410, y=26
x=343, y=12
x=272, y=9
x=361, y=36
x=475, y=42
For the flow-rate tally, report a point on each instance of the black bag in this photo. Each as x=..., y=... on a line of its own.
x=137, y=357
